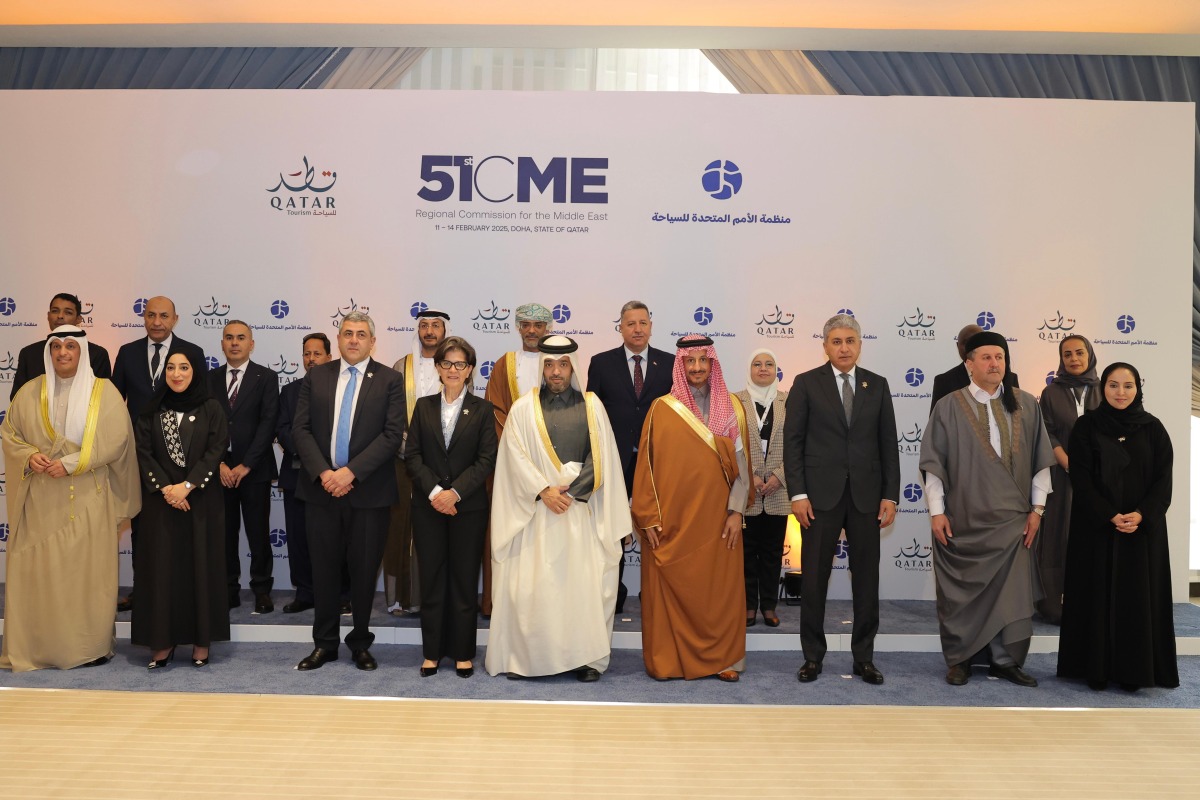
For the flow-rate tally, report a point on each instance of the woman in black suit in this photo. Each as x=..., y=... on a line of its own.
x=450, y=454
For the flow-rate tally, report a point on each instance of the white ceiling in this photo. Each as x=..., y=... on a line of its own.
x=1170, y=27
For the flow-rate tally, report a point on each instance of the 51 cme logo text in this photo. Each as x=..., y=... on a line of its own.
x=499, y=179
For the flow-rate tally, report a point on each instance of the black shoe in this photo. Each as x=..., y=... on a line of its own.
x=959, y=674
x=1097, y=685
x=771, y=621
x=1013, y=674
x=1130, y=687
x=316, y=659
x=97, y=662
x=364, y=660
x=809, y=672
x=263, y=604
x=751, y=620
x=428, y=672
x=464, y=672
x=587, y=675
x=296, y=606
x=346, y=609
x=868, y=672
x=162, y=662
x=124, y=604
x=200, y=662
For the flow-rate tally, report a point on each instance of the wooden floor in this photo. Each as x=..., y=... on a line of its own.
x=59, y=743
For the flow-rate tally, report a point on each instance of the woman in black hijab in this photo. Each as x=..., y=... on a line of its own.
x=1074, y=391
x=180, y=557
x=1117, y=619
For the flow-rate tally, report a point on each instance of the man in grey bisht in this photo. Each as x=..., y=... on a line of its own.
x=986, y=458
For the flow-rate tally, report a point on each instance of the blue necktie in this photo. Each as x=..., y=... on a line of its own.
x=341, y=447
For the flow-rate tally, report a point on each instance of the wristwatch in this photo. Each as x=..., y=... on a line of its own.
x=188, y=485
x=1039, y=510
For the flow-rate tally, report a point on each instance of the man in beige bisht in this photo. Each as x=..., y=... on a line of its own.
x=401, y=588
x=72, y=478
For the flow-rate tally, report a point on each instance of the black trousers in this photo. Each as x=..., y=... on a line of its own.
x=449, y=553
x=817, y=548
x=299, y=561
x=340, y=537
x=762, y=548
x=249, y=503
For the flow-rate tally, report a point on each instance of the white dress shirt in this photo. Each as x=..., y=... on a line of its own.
x=342, y=382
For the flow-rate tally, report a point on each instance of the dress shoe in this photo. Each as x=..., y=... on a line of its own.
x=1130, y=687
x=728, y=676
x=751, y=620
x=161, y=662
x=959, y=674
x=97, y=662
x=263, y=604
x=318, y=658
x=346, y=609
x=809, y=672
x=427, y=672
x=200, y=662
x=1013, y=674
x=587, y=675
x=770, y=619
x=124, y=604
x=464, y=672
x=296, y=606
x=364, y=660
x=869, y=672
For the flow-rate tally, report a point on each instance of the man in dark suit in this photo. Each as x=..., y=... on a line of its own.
x=349, y=424
x=843, y=470
x=957, y=378
x=315, y=352
x=139, y=368
x=249, y=393
x=64, y=310
x=627, y=380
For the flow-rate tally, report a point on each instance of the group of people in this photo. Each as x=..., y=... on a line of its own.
x=538, y=485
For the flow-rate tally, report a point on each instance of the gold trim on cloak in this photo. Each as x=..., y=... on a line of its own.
x=89, y=428
x=965, y=401
x=700, y=429
x=514, y=391
x=540, y=420
x=410, y=387
x=744, y=431
x=589, y=401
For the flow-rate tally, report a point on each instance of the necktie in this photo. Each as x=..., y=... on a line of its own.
x=847, y=395
x=233, y=386
x=154, y=362
x=639, y=380
x=341, y=448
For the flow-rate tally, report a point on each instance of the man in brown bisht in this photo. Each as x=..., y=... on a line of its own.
x=690, y=489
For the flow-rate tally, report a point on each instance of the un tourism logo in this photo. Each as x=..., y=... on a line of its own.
x=280, y=309
x=914, y=377
x=3, y=531
x=913, y=492
x=212, y=363
x=561, y=313
x=1125, y=322
x=139, y=306
x=278, y=537
x=846, y=311
x=417, y=308
x=8, y=306
x=721, y=179
x=1050, y=377
x=703, y=315
x=485, y=369
x=986, y=320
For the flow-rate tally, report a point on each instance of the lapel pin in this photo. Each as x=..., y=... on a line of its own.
x=466, y=411
x=192, y=418
x=864, y=384
x=370, y=374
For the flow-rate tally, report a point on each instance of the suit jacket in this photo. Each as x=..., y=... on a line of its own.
x=821, y=454
x=772, y=462
x=289, y=466
x=251, y=419
x=609, y=379
x=375, y=433
x=31, y=363
x=465, y=465
x=131, y=373
x=954, y=379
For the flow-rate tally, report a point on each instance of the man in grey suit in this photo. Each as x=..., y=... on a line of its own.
x=348, y=427
x=843, y=471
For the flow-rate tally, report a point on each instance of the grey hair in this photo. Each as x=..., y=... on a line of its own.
x=246, y=325
x=841, y=321
x=635, y=305
x=358, y=316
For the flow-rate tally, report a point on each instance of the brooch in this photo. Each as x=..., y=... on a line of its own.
x=192, y=418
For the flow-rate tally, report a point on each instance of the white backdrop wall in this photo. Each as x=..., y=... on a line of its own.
x=749, y=218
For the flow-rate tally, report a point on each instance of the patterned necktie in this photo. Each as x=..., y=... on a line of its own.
x=154, y=362
x=847, y=395
x=341, y=448
x=639, y=380
x=233, y=386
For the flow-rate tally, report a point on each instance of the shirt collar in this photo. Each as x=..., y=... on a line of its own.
x=360, y=366
x=629, y=354
x=166, y=343
x=837, y=373
x=981, y=394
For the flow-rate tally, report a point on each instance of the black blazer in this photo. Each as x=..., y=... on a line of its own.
x=131, y=373
x=465, y=465
x=31, y=363
x=289, y=466
x=251, y=420
x=375, y=435
x=609, y=379
x=954, y=379
x=821, y=453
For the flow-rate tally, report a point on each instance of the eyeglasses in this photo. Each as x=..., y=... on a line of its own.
x=458, y=365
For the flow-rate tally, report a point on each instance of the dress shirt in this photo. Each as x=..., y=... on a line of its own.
x=162, y=356
x=629, y=354
x=451, y=411
x=343, y=381
x=935, y=490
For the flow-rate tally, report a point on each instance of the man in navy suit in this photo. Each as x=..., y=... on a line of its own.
x=139, y=368
x=627, y=380
x=843, y=470
x=349, y=424
x=249, y=393
x=64, y=310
